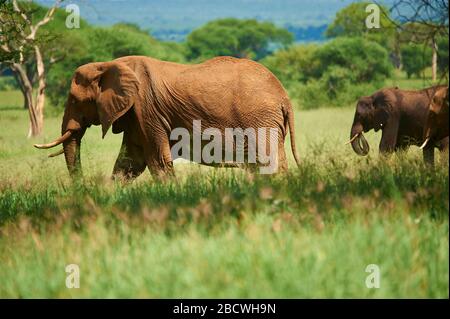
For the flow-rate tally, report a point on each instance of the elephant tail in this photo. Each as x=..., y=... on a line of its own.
x=289, y=116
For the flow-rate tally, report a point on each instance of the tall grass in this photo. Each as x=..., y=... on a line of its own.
x=223, y=232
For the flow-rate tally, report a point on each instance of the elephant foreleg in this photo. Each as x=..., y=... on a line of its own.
x=443, y=148
x=389, y=137
x=428, y=154
x=443, y=144
x=130, y=163
x=159, y=159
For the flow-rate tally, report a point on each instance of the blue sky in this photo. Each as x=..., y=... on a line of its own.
x=192, y=13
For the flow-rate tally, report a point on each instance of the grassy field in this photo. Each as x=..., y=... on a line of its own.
x=222, y=233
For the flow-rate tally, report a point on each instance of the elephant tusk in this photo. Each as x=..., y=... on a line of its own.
x=352, y=139
x=425, y=143
x=58, y=141
x=61, y=151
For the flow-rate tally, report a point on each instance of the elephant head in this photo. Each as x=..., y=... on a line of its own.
x=100, y=93
x=436, y=126
x=372, y=112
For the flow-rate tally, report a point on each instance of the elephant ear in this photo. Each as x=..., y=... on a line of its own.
x=118, y=87
x=383, y=102
x=384, y=99
x=440, y=100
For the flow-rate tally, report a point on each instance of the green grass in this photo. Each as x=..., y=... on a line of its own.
x=222, y=233
x=399, y=79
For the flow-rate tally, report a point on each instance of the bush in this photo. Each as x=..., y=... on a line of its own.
x=415, y=58
x=308, y=96
x=333, y=74
x=367, y=61
x=350, y=22
x=314, y=94
x=8, y=83
x=236, y=37
x=295, y=64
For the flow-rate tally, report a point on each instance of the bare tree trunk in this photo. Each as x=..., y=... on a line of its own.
x=25, y=84
x=22, y=89
x=26, y=79
x=35, y=106
x=36, y=121
x=434, y=61
x=40, y=95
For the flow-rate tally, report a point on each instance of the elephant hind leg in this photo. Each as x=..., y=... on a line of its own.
x=273, y=163
x=159, y=160
x=443, y=144
x=130, y=163
x=282, y=159
x=428, y=154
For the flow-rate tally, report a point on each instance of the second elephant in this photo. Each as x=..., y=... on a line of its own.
x=436, y=126
x=400, y=115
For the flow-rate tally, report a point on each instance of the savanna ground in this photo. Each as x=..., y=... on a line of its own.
x=223, y=233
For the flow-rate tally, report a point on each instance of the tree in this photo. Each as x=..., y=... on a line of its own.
x=21, y=45
x=335, y=73
x=417, y=36
x=424, y=21
x=365, y=60
x=238, y=38
x=9, y=32
x=442, y=44
x=415, y=58
x=351, y=22
x=294, y=64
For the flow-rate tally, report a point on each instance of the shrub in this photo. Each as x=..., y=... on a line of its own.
x=367, y=61
x=236, y=37
x=415, y=58
x=333, y=74
x=8, y=83
x=292, y=65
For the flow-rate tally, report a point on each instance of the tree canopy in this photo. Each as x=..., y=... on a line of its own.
x=238, y=38
x=334, y=73
x=415, y=58
x=351, y=22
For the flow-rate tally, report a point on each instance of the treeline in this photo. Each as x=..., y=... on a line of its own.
x=354, y=61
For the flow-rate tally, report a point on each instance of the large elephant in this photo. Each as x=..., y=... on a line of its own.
x=436, y=125
x=146, y=99
x=400, y=114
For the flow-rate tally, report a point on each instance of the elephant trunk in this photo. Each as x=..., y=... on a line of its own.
x=71, y=146
x=72, y=131
x=72, y=153
x=358, y=141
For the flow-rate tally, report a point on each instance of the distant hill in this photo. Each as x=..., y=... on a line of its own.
x=174, y=19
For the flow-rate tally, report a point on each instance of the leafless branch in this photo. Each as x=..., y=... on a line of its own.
x=48, y=16
x=23, y=40
x=432, y=15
